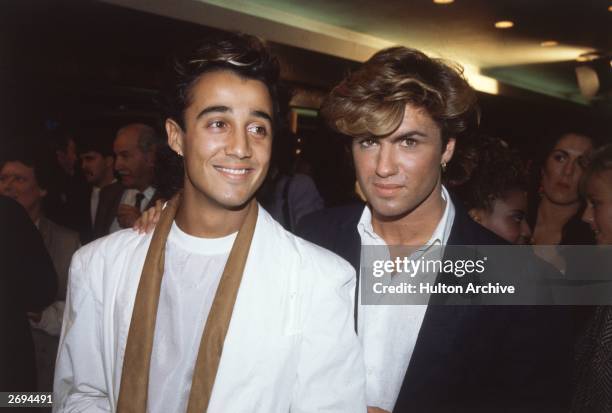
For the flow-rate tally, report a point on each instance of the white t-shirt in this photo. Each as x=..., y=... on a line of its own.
x=193, y=269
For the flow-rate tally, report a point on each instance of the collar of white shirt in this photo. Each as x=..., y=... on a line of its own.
x=148, y=193
x=199, y=245
x=129, y=197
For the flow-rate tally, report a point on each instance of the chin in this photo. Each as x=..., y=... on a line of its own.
x=234, y=203
x=565, y=200
x=389, y=210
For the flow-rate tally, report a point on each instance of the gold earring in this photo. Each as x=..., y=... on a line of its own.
x=443, y=166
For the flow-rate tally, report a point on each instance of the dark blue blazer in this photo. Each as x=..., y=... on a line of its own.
x=469, y=358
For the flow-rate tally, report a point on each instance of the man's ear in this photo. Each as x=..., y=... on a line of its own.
x=447, y=155
x=176, y=136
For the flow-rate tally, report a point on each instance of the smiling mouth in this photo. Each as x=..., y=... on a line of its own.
x=234, y=172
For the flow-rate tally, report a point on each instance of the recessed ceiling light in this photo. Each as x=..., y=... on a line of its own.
x=504, y=24
x=549, y=43
x=443, y=1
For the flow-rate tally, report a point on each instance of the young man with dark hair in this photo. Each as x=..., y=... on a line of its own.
x=98, y=164
x=404, y=112
x=220, y=309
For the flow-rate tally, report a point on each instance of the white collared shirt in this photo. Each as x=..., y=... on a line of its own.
x=129, y=197
x=94, y=200
x=389, y=333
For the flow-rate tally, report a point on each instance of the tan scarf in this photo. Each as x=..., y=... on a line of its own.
x=137, y=360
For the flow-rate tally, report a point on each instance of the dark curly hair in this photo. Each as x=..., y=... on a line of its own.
x=485, y=169
x=370, y=102
x=242, y=54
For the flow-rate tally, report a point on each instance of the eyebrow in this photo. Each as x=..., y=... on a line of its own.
x=226, y=109
x=410, y=134
x=210, y=109
x=262, y=114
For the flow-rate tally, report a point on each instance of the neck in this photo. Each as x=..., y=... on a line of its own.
x=555, y=215
x=201, y=217
x=415, y=227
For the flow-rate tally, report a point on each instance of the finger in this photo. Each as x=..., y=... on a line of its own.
x=138, y=225
x=152, y=222
x=159, y=205
x=147, y=217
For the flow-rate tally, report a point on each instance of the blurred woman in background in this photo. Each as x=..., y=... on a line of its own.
x=555, y=218
x=556, y=209
x=489, y=178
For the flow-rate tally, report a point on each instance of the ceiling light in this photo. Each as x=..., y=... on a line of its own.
x=443, y=1
x=609, y=8
x=504, y=24
x=549, y=43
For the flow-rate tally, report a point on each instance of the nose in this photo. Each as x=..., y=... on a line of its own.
x=569, y=168
x=525, y=230
x=118, y=164
x=587, y=215
x=238, y=145
x=385, y=164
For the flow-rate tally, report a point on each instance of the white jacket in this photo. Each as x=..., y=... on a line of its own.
x=290, y=347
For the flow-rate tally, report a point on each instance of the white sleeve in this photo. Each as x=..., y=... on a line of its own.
x=79, y=384
x=331, y=372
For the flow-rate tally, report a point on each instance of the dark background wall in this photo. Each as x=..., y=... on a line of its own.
x=68, y=62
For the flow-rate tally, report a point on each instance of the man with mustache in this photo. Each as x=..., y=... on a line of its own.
x=98, y=164
x=135, y=148
x=220, y=309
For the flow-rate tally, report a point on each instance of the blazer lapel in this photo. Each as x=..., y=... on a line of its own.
x=441, y=326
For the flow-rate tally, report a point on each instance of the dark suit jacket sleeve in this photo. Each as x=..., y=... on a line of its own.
x=27, y=283
x=25, y=261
